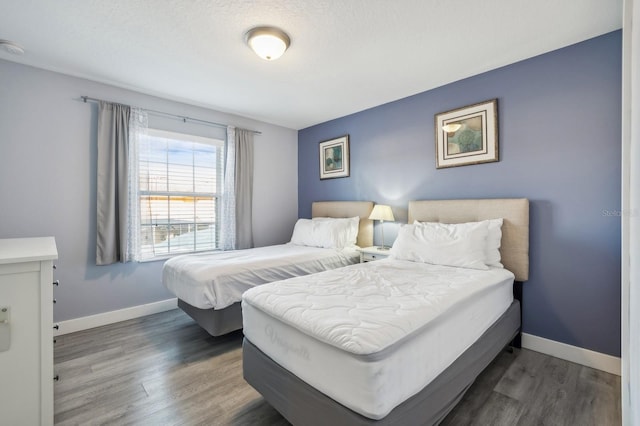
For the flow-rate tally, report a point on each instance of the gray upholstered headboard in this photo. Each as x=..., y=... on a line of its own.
x=514, y=248
x=348, y=209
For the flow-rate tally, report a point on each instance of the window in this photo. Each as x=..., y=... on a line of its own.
x=180, y=184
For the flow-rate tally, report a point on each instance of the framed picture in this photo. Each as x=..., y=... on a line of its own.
x=334, y=158
x=467, y=135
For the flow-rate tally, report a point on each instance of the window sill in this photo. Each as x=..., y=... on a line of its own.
x=169, y=256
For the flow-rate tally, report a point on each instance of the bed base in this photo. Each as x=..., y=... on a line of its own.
x=215, y=321
x=302, y=404
x=517, y=295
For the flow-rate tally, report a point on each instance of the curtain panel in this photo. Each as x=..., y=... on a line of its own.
x=237, y=201
x=227, y=214
x=244, y=188
x=117, y=195
x=138, y=125
x=113, y=180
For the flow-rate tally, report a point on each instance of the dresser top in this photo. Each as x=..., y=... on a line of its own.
x=17, y=250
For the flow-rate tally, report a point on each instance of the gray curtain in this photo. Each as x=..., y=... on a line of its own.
x=236, y=218
x=112, y=188
x=244, y=188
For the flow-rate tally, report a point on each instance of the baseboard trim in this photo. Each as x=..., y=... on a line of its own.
x=106, y=318
x=586, y=357
x=589, y=358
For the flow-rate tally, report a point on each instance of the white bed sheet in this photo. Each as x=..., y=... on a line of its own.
x=217, y=280
x=372, y=335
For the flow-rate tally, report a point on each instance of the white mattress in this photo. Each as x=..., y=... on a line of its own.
x=372, y=335
x=217, y=280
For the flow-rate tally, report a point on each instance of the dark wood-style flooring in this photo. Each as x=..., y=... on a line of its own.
x=165, y=370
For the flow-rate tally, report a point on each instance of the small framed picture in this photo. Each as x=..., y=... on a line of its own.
x=467, y=135
x=334, y=158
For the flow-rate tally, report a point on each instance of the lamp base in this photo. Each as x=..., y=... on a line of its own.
x=383, y=248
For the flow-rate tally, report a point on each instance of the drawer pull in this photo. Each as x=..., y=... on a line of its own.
x=57, y=326
x=56, y=378
x=56, y=283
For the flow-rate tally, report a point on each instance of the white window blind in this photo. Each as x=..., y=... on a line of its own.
x=180, y=188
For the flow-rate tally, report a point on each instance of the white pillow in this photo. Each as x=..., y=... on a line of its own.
x=326, y=232
x=461, y=245
x=344, y=230
x=312, y=234
x=494, y=239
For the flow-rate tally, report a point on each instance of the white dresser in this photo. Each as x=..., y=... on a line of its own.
x=26, y=330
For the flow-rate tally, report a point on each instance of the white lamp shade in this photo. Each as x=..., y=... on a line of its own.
x=381, y=212
x=268, y=43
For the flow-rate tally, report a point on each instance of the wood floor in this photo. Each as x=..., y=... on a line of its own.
x=165, y=370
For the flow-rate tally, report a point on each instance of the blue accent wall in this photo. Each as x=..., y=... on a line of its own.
x=559, y=133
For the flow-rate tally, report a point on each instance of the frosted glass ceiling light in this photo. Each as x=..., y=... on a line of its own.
x=11, y=47
x=268, y=42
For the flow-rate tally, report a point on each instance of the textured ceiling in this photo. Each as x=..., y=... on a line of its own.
x=345, y=55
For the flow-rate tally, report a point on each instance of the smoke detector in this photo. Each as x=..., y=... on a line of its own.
x=11, y=47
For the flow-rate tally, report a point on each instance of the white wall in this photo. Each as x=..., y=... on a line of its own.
x=47, y=181
x=631, y=216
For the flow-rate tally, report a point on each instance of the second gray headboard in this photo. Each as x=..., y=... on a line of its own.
x=514, y=249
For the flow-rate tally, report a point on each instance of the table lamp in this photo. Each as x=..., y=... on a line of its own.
x=381, y=212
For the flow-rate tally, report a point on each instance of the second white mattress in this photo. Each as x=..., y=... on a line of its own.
x=372, y=335
x=217, y=280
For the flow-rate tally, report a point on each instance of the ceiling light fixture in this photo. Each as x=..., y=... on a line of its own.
x=11, y=47
x=268, y=42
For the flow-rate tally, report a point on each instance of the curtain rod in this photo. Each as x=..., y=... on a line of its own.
x=86, y=99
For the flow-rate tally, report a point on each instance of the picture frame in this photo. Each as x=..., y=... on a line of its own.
x=467, y=135
x=334, y=158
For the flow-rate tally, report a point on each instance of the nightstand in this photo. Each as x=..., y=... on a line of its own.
x=369, y=254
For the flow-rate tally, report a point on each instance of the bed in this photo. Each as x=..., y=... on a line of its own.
x=209, y=286
x=372, y=344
